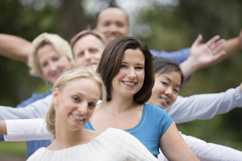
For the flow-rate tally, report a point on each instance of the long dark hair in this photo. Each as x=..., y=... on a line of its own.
x=111, y=60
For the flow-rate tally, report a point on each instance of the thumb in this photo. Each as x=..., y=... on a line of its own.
x=198, y=40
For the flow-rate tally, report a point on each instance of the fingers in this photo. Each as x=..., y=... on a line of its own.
x=218, y=56
x=198, y=40
x=212, y=40
x=218, y=46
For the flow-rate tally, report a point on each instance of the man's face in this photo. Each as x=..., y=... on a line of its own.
x=113, y=23
x=87, y=51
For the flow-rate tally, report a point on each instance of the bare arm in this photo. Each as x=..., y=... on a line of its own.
x=14, y=47
x=174, y=147
x=233, y=45
x=3, y=129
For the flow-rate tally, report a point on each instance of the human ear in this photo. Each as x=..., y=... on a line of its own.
x=55, y=96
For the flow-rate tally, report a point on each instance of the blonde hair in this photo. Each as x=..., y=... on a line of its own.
x=83, y=33
x=60, y=45
x=69, y=76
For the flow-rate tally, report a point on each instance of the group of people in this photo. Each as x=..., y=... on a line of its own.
x=138, y=87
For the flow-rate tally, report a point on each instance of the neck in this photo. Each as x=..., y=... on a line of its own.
x=119, y=104
x=66, y=138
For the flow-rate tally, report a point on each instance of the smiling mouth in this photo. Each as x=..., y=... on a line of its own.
x=77, y=117
x=129, y=83
x=165, y=101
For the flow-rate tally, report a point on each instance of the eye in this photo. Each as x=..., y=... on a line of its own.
x=92, y=50
x=164, y=83
x=123, y=66
x=55, y=58
x=91, y=105
x=120, y=24
x=139, y=68
x=80, y=54
x=176, y=90
x=107, y=23
x=44, y=64
x=76, y=99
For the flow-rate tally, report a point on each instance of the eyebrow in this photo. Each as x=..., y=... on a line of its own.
x=92, y=99
x=137, y=63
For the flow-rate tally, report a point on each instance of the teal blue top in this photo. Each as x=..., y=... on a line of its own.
x=152, y=125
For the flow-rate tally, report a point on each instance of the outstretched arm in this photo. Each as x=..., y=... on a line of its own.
x=214, y=51
x=24, y=130
x=233, y=45
x=203, y=55
x=205, y=106
x=14, y=47
x=34, y=110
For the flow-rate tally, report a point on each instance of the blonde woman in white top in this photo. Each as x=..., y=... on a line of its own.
x=75, y=95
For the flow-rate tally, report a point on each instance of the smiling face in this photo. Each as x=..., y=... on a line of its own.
x=76, y=102
x=130, y=77
x=166, y=89
x=88, y=50
x=51, y=63
x=113, y=23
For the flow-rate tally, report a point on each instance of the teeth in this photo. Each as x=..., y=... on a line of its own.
x=165, y=100
x=129, y=83
x=79, y=118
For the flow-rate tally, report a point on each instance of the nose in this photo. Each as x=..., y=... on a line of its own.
x=87, y=55
x=131, y=73
x=83, y=107
x=113, y=28
x=52, y=66
x=168, y=91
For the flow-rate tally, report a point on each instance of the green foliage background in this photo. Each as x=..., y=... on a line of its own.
x=162, y=27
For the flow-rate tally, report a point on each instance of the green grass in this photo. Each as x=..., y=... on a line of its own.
x=13, y=148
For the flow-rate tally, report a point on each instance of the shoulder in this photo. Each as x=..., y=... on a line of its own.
x=38, y=155
x=151, y=108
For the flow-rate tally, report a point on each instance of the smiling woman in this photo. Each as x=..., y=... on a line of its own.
x=127, y=71
x=49, y=66
x=75, y=96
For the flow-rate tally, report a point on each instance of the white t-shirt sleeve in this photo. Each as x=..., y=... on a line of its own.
x=26, y=130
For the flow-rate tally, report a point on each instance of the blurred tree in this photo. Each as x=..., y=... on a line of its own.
x=73, y=19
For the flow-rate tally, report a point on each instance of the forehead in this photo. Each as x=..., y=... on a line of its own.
x=134, y=55
x=84, y=86
x=48, y=48
x=88, y=41
x=112, y=14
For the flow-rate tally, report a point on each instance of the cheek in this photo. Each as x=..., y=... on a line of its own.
x=45, y=71
x=97, y=56
x=65, y=63
x=142, y=75
x=79, y=62
x=174, y=98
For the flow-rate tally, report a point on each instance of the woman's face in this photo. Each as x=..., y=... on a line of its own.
x=166, y=89
x=51, y=63
x=130, y=77
x=76, y=102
